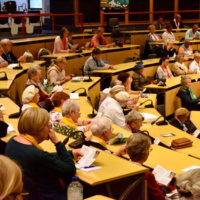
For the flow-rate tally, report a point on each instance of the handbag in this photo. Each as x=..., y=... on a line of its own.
x=181, y=143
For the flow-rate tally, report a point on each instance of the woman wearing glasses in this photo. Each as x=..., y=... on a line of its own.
x=50, y=172
x=138, y=148
x=56, y=72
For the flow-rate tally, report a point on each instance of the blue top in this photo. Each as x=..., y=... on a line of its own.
x=44, y=168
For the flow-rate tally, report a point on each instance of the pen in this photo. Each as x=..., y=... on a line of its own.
x=89, y=167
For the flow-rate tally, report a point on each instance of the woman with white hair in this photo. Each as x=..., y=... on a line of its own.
x=194, y=65
x=133, y=121
x=187, y=96
x=68, y=124
x=10, y=179
x=8, y=55
x=188, y=185
x=185, y=48
x=30, y=97
x=138, y=148
x=114, y=110
x=101, y=128
x=179, y=68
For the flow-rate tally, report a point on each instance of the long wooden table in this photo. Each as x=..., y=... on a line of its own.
x=35, y=44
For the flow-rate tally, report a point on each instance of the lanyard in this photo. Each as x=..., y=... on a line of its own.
x=165, y=71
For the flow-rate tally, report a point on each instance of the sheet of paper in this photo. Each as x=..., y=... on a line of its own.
x=12, y=65
x=74, y=95
x=196, y=133
x=10, y=129
x=157, y=141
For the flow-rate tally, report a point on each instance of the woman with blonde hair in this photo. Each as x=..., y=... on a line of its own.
x=56, y=72
x=11, y=184
x=50, y=172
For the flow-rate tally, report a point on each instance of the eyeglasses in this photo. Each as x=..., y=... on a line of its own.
x=14, y=195
x=77, y=112
x=150, y=149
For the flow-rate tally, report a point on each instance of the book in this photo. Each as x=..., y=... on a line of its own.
x=162, y=175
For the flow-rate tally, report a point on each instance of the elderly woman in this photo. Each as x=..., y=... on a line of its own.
x=101, y=128
x=3, y=63
x=114, y=109
x=126, y=80
x=179, y=68
x=10, y=179
x=56, y=72
x=138, y=148
x=8, y=55
x=194, y=65
x=181, y=121
x=188, y=185
x=58, y=101
x=168, y=34
x=185, y=48
x=68, y=124
x=163, y=71
x=139, y=80
x=98, y=40
x=61, y=42
x=166, y=50
x=187, y=96
x=34, y=76
x=30, y=97
x=152, y=37
x=133, y=121
x=47, y=170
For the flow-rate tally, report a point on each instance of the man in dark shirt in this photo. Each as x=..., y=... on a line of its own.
x=176, y=22
x=8, y=55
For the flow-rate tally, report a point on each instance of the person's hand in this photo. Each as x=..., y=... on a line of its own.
x=73, y=50
x=72, y=75
x=108, y=45
x=135, y=101
x=68, y=78
x=113, y=44
x=88, y=138
x=138, y=92
x=111, y=66
x=53, y=137
x=83, y=48
x=87, y=128
x=106, y=67
x=22, y=59
x=86, y=122
x=52, y=95
x=77, y=154
x=4, y=63
x=190, y=72
x=121, y=151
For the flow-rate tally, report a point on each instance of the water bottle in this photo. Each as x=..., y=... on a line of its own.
x=75, y=190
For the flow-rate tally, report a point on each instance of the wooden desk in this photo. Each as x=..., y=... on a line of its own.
x=17, y=80
x=195, y=116
x=35, y=44
x=114, y=55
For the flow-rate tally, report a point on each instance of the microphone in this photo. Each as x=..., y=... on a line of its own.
x=76, y=144
x=164, y=122
x=18, y=67
x=81, y=94
x=137, y=59
x=88, y=80
x=149, y=105
x=93, y=114
x=5, y=78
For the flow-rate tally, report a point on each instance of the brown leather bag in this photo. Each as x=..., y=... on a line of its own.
x=181, y=143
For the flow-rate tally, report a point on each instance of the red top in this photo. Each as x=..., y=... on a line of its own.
x=154, y=193
x=95, y=41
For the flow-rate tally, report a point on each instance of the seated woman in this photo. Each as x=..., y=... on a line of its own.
x=152, y=37
x=126, y=80
x=98, y=40
x=138, y=79
x=30, y=97
x=194, y=65
x=68, y=124
x=56, y=72
x=138, y=148
x=49, y=171
x=181, y=121
x=186, y=49
x=187, y=96
x=94, y=62
x=3, y=63
x=10, y=179
x=101, y=128
x=114, y=109
x=163, y=71
x=61, y=42
x=3, y=126
x=8, y=55
x=58, y=101
x=70, y=42
x=133, y=121
x=166, y=50
x=188, y=185
x=179, y=68
x=34, y=76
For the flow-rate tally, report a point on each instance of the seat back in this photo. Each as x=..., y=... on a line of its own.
x=113, y=22
x=4, y=20
x=18, y=20
x=34, y=19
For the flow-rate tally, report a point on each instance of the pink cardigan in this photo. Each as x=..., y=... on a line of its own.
x=95, y=41
x=58, y=46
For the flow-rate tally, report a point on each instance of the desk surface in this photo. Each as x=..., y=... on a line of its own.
x=98, y=197
x=90, y=51
x=195, y=116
